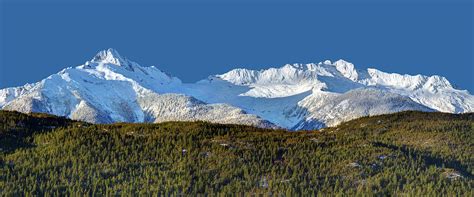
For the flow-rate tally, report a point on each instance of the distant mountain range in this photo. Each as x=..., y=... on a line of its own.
x=110, y=88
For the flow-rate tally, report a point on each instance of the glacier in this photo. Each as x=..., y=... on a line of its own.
x=111, y=88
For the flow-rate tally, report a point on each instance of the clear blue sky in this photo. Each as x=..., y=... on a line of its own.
x=192, y=41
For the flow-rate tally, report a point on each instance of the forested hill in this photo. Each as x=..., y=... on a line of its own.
x=411, y=153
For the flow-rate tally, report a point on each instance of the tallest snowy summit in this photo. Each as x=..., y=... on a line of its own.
x=110, y=56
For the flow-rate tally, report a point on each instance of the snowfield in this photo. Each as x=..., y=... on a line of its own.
x=110, y=88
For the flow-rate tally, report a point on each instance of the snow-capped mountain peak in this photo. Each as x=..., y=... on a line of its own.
x=111, y=56
x=347, y=69
x=430, y=83
x=110, y=65
x=292, y=73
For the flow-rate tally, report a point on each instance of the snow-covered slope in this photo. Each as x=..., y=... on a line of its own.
x=330, y=109
x=111, y=88
x=433, y=91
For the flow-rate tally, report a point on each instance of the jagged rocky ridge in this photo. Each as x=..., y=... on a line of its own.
x=111, y=88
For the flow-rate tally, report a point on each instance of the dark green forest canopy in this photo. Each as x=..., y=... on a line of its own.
x=412, y=153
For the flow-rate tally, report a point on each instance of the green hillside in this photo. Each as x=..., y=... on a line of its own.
x=407, y=153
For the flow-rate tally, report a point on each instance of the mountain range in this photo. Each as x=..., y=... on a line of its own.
x=111, y=88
